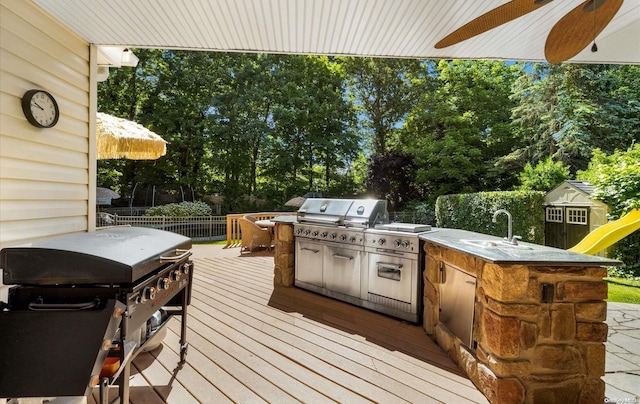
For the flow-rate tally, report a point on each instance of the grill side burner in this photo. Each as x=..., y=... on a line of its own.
x=141, y=270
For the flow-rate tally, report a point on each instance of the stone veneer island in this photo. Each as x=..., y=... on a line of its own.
x=538, y=328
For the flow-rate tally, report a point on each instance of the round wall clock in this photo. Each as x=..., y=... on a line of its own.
x=40, y=108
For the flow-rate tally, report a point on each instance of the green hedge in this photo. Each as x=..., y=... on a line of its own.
x=474, y=212
x=182, y=209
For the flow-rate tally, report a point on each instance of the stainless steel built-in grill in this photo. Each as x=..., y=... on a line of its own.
x=81, y=298
x=347, y=249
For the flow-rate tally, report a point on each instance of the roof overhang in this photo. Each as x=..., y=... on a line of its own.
x=379, y=28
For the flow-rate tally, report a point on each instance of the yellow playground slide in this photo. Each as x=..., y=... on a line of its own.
x=609, y=234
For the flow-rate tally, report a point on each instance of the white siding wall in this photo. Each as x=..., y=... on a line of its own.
x=45, y=174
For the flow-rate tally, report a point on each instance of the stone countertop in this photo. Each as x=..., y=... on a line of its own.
x=535, y=255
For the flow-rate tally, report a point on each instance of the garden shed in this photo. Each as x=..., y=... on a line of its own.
x=571, y=214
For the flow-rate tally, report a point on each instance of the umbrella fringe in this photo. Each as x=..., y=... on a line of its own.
x=118, y=138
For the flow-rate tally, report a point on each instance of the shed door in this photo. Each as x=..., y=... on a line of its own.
x=577, y=220
x=554, y=231
x=565, y=226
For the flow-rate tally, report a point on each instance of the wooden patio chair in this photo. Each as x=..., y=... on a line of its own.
x=253, y=236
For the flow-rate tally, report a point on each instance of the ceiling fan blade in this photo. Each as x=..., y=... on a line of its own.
x=576, y=30
x=494, y=18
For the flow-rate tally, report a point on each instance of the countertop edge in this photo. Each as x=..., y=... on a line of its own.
x=451, y=238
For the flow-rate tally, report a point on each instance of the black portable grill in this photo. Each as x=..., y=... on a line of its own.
x=82, y=297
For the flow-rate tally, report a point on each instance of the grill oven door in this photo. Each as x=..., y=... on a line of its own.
x=392, y=276
x=393, y=285
x=341, y=271
x=309, y=264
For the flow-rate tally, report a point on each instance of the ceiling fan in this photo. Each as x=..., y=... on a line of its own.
x=566, y=39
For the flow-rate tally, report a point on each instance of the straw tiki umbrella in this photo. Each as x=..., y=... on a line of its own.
x=118, y=138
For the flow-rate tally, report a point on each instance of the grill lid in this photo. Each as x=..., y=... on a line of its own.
x=366, y=213
x=323, y=211
x=117, y=255
x=347, y=212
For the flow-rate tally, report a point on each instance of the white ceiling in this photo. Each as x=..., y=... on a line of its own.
x=386, y=28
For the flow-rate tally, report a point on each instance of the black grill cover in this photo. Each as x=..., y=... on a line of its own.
x=118, y=255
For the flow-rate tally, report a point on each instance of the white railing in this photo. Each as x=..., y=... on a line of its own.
x=198, y=228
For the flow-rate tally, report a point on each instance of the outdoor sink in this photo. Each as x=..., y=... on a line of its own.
x=483, y=243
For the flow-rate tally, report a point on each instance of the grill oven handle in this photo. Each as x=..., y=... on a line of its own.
x=181, y=254
x=389, y=271
x=344, y=257
x=313, y=250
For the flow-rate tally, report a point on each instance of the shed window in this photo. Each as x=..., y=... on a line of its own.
x=554, y=215
x=577, y=216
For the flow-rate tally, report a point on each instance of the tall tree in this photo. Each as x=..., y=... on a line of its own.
x=567, y=110
x=179, y=107
x=457, y=130
x=313, y=121
x=243, y=111
x=392, y=176
x=384, y=91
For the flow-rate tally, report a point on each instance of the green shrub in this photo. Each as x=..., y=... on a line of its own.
x=545, y=176
x=474, y=212
x=181, y=209
x=617, y=181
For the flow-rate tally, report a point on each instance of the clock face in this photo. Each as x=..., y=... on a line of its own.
x=40, y=108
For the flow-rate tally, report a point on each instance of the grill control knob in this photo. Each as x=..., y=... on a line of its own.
x=148, y=293
x=315, y=233
x=333, y=236
x=184, y=268
x=299, y=231
x=382, y=241
x=352, y=239
x=343, y=237
x=106, y=344
x=174, y=275
x=324, y=234
x=163, y=283
x=397, y=242
x=307, y=232
x=406, y=243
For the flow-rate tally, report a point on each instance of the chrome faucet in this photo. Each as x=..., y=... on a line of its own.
x=511, y=239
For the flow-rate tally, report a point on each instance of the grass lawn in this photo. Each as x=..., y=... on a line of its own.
x=215, y=242
x=623, y=290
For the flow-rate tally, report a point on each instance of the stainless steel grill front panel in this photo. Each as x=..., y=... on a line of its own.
x=346, y=249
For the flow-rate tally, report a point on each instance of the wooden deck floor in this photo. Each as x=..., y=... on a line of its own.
x=250, y=342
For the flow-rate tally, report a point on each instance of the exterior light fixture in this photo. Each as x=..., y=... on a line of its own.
x=128, y=58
